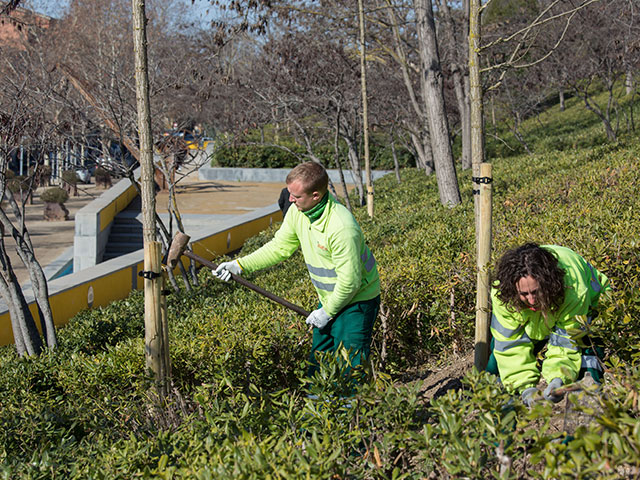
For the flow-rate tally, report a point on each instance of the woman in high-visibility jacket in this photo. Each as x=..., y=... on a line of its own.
x=537, y=297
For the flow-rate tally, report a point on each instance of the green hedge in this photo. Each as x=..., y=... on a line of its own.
x=238, y=405
x=287, y=154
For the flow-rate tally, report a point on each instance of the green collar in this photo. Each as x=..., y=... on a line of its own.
x=316, y=212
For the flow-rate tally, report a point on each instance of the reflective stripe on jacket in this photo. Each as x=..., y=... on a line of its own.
x=515, y=332
x=341, y=266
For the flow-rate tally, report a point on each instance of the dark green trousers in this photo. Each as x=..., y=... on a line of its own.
x=352, y=328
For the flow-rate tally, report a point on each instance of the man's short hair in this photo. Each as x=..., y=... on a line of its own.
x=312, y=175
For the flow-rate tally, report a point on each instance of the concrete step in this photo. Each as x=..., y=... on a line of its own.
x=125, y=237
x=109, y=255
x=124, y=220
x=124, y=246
x=125, y=230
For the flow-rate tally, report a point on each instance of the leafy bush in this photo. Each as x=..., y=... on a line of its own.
x=286, y=153
x=257, y=156
x=54, y=195
x=238, y=406
x=70, y=177
x=17, y=183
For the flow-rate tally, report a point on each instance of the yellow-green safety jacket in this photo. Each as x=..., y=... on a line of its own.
x=341, y=266
x=514, y=332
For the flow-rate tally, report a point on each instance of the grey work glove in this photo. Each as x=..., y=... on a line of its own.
x=318, y=318
x=548, y=392
x=527, y=396
x=225, y=269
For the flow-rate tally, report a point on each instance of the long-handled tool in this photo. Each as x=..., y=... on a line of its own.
x=177, y=249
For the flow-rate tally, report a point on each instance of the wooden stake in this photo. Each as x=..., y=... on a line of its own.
x=164, y=325
x=483, y=311
x=155, y=348
x=155, y=340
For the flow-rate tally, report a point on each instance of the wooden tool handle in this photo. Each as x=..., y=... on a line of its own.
x=250, y=285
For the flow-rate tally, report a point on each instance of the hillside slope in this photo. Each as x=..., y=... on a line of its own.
x=239, y=405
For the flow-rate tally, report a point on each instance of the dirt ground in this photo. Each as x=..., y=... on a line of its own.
x=437, y=381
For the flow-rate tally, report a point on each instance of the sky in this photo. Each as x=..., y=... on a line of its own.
x=56, y=8
x=52, y=8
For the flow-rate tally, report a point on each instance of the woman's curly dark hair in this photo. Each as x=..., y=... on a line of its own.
x=542, y=265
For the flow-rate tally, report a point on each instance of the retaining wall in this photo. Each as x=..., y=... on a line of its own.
x=93, y=223
x=272, y=175
x=114, y=279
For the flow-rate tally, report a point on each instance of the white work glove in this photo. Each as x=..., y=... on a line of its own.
x=527, y=396
x=318, y=318
x=548, y=392
x=225, y=269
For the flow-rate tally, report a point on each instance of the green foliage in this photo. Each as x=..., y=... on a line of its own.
x=554, y=130
x=239, y=408
x=70, y=177
x=507, y=10
x=17, y=183
x=54, y=195
x=100, y=328
x=287, y=153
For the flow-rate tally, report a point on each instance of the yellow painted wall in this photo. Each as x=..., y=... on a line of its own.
x=116, y=285
x=108, y=213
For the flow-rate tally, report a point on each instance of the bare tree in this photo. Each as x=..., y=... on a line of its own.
x=22, y=123
x=603, y=62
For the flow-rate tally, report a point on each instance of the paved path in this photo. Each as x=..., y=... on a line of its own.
x=52, y=239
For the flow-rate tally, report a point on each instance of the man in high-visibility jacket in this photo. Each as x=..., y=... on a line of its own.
x=538, y=294
x=341, y=266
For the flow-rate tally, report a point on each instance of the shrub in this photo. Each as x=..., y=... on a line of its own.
x=70, y=177
x=257, y=156
x=102, y=175
x=54, y=195
x=18, y=183
x=239, y=405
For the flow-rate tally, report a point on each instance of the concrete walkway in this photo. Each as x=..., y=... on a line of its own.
x=54, y=240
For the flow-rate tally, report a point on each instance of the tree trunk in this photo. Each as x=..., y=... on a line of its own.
x=365, y=115
x=356, y=167
x=477, y=127
x=425, y=154
x=25, y=333
x=419, y=134
x=394, y=154
x=459, y=74
x=477, y=156
x=336, y=150
x=435, y=107
x=25, y=251
x=156, y=349
x=628, y=81
x=603, y=116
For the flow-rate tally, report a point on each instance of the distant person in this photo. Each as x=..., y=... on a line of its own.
x=284, y=201
x=341, y=266
x=537, y=293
